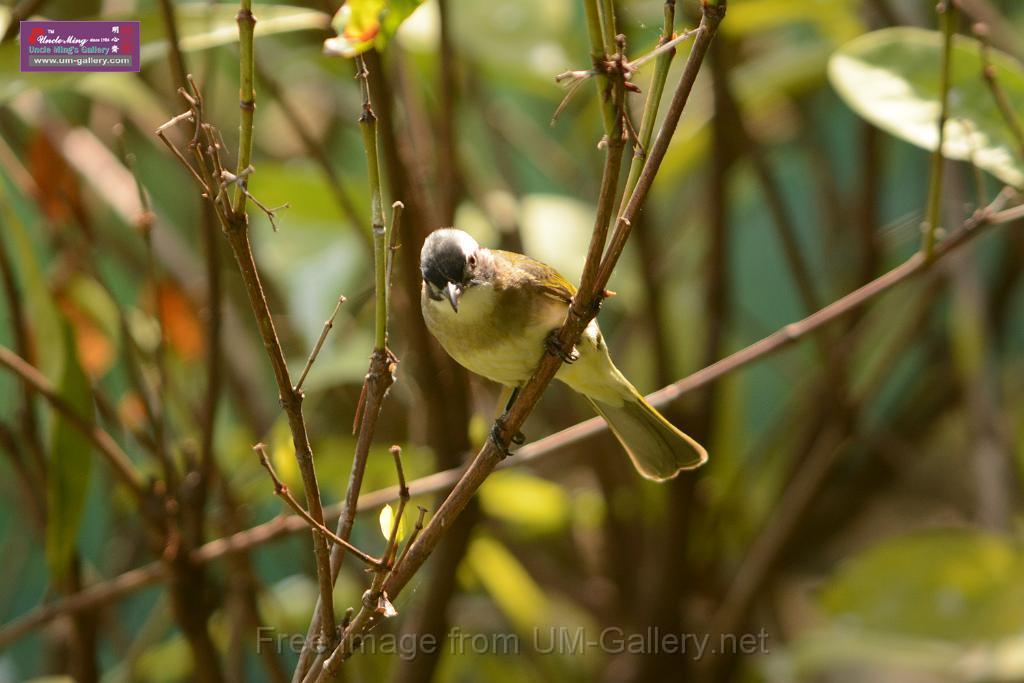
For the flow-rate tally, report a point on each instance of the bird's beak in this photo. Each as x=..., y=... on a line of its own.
x=453, y=292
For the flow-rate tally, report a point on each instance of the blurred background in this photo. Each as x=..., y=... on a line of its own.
x=860, y=514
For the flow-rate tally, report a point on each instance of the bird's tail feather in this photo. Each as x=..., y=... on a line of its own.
x=658, y=450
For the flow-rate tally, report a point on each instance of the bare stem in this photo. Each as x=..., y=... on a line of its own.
x=209, y=171
x=665, y=52
x=246, y=98
x=328, y=324
x=1006, y=110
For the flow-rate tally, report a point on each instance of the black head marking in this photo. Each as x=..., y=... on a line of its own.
x=445, y=256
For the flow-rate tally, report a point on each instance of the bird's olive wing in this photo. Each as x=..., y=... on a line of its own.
x=541, y=275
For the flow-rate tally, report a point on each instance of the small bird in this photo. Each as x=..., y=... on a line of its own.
x=495, y=312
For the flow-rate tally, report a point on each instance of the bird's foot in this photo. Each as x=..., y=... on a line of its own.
x=496, y=437
x=554, y=347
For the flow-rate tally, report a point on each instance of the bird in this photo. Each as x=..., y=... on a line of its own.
x=496, y=313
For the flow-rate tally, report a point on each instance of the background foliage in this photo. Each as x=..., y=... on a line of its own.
x=904, y=561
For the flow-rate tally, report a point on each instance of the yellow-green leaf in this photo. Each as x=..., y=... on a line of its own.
x=387, y=520
x=512, y=588
x=362, y=24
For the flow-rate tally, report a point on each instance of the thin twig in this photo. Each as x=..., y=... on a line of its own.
x=315, y=149
x=328, y=324
x=988, y=73
x=247, y=97
x=665, y=52
x=281, y=491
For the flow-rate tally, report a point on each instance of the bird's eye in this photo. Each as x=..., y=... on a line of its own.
x=472, y=260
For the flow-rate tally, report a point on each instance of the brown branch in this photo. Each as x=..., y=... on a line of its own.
x=448, y=180
x=20, y=12
x=178, y=68
x=235, y=224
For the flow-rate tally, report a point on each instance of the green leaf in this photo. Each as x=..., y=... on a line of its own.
x=362, y=24
x=42, y=317
x=891, y=78
x=951, y=584
x=69, y=467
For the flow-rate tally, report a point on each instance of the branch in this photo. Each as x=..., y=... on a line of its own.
x=381, y=372
x=246, y=99
x=665, y=52
x=314, y=148
x=206, y=146
x=328, y=324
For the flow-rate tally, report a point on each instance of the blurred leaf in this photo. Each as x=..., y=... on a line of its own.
x=834, y=18
x=511, y=587
x=130, y=95
x=43, y=320
x=362, y=24
x=69, y=468
x=957, y=584
x=877, y=656
x=527, y=42
x=131, y=410
x=559, y=247
x=60, y=197
x=387, y=520
x=94, y=320
x=526, y=502
x=182, y=328
x=282, y=454
x=891, y=78
x=206, y=25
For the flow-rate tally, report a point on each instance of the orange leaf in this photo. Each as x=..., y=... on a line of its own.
x=95, y=349
x=182, y=327
x=60, y=197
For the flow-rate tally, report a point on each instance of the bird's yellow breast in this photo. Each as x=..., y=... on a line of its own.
x=497, y=334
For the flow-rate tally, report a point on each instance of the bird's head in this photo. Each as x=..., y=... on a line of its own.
x=451, y=262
